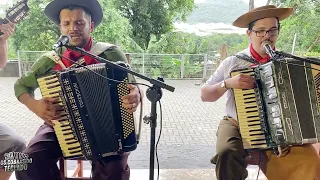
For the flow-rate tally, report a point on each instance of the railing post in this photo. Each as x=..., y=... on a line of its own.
x=128, y=58
x=143, y=64
x=19, y=63
x=205, y=66
x=182, y=66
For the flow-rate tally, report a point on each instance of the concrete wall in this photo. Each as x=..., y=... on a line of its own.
x=11, y=70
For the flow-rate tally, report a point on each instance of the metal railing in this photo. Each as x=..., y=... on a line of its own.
x=169, y=66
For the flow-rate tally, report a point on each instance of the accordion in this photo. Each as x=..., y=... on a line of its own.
x=283, y=108
x=93, y=122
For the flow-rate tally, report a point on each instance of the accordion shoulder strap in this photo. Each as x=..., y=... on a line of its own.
x=96, y=49
x=55, y=57
x=246, y=58
x=100, y=47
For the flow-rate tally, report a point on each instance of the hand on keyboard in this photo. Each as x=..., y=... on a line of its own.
x=47, y=109
x=132, y=100
x=241, y=81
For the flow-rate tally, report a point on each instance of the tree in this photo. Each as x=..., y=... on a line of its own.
x=114, y=28
x=302, y=23
x=153, y=17
x=37, y=33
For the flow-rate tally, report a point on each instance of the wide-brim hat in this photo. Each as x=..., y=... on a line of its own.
x=52, y=10
x=262, y=12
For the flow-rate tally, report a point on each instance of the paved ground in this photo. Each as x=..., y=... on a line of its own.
x=188, y=134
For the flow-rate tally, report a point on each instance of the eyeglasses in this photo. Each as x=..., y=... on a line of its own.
x=262, y=33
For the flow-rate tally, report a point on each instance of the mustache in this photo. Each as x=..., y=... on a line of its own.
x=267, y=41
x=75, y=34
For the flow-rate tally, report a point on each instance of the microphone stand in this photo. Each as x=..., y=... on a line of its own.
x=280, y=54
x=154, y=94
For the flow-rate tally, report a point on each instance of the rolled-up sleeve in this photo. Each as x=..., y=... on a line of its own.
x=27, y=83
x=220, y=74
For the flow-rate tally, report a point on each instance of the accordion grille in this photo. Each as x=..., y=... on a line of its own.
x=127, y=123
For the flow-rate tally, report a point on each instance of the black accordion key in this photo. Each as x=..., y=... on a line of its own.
x=249, y=115
x=70, y=146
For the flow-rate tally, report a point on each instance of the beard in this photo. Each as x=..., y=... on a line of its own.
x=78, y=42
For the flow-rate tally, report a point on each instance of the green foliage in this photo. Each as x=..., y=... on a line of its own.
x=309, y=54
x=303, y=23
x=114, y=28
x=168, y=65
x=153, y=17
x=185, y=43
x=147, y=26
x=35, y=32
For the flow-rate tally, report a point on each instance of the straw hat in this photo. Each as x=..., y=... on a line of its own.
x=262, y=12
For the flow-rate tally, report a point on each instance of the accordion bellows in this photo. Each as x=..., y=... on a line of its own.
x=283, y=109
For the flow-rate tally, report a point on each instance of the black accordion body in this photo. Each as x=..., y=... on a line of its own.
x=283, y=109
x=94, y=124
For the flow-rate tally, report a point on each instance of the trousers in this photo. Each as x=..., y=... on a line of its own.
x=10, y=141
x=45, y=152
x=301, y=162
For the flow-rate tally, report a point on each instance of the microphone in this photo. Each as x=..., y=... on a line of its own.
x=63, y=40
x=268, y=49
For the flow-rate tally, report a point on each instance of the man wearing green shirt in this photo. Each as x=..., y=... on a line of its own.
x=76, y=18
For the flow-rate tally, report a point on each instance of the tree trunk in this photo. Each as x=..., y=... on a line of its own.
x=223, y=55
x=251, y=5
x=268, y=2
x=314, y=43
x=223, y=52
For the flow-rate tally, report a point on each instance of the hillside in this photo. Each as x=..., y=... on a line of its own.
x=217, y=11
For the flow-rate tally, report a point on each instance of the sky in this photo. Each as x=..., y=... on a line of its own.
x=4, y=1
x=257, y=3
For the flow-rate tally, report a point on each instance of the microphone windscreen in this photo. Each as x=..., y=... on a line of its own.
x=264, y=43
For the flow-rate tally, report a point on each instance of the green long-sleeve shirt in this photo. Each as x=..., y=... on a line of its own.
x=27, y=83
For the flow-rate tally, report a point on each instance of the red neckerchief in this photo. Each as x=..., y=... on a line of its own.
x=74, y=56
x=257, y=57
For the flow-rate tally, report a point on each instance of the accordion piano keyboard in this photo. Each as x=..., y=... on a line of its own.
x=248, y=116
x=70, y=146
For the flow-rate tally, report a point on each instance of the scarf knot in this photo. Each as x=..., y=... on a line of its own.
x=75, y=56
